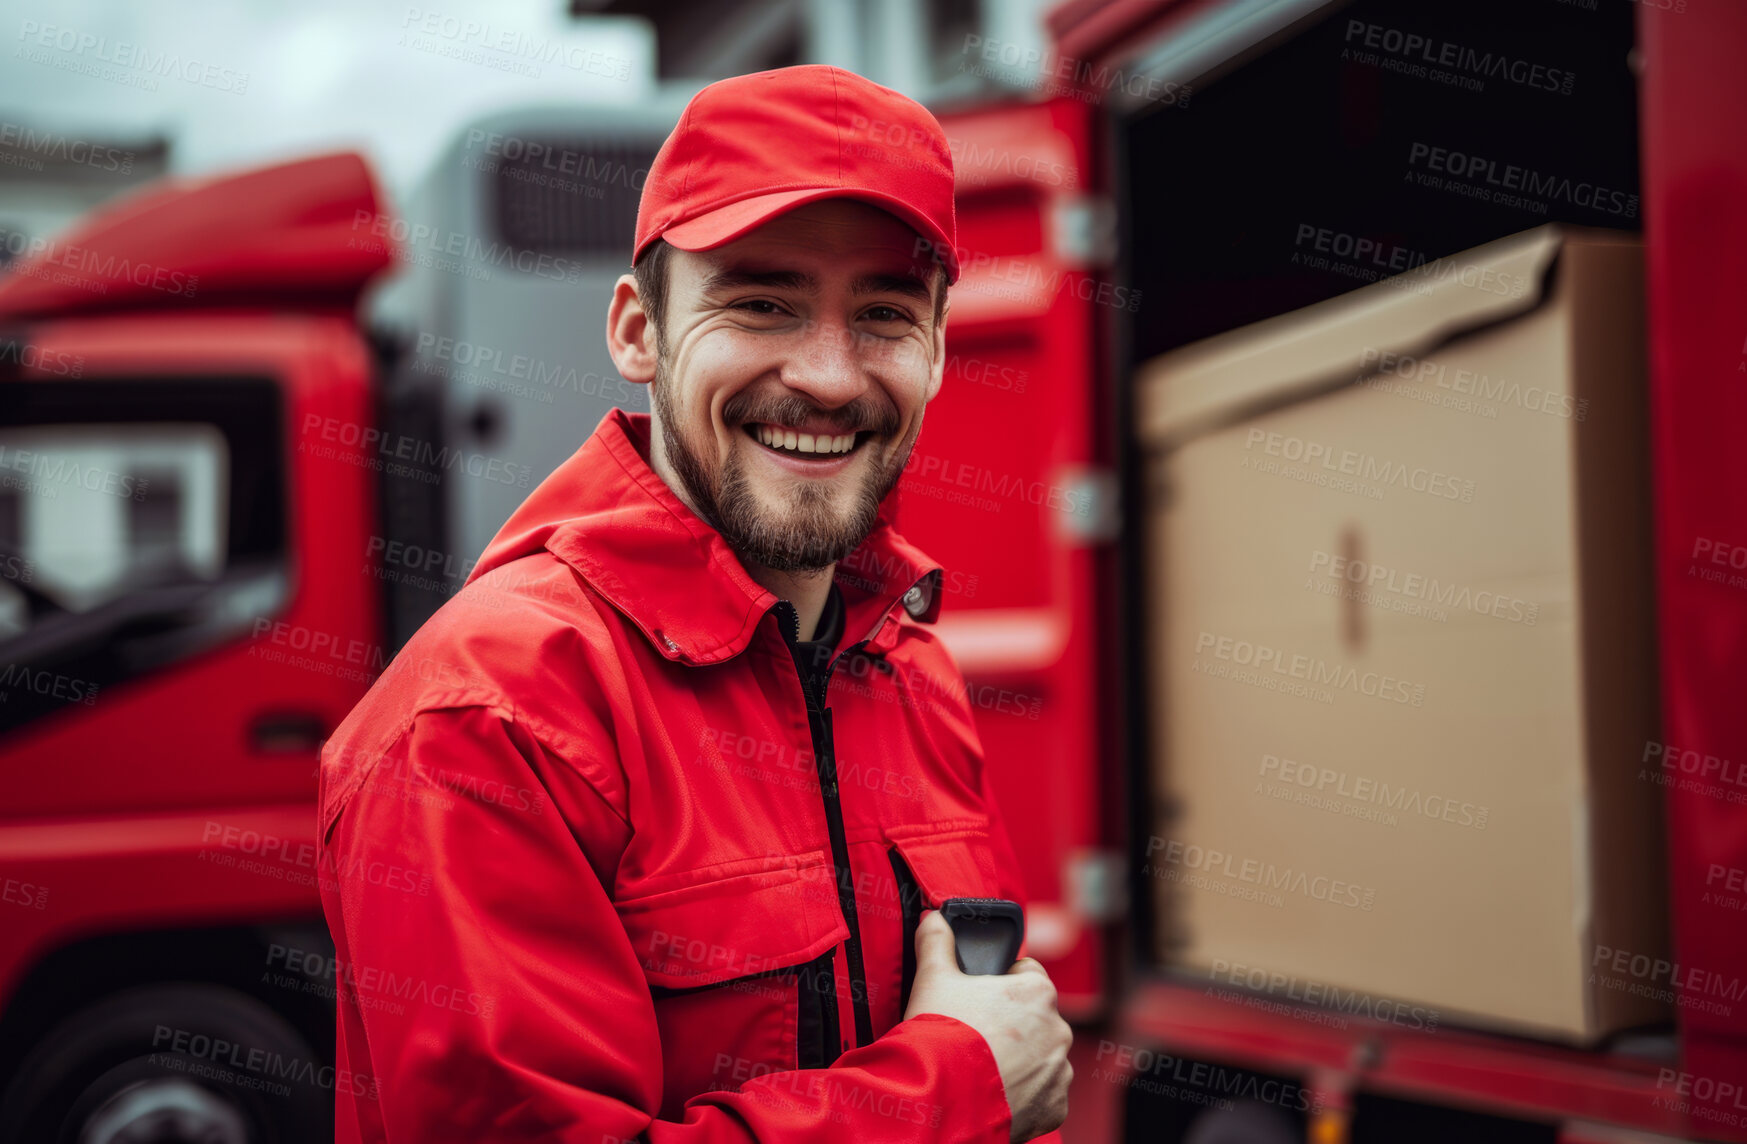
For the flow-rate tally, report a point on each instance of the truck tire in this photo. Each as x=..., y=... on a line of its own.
x=171, y=1064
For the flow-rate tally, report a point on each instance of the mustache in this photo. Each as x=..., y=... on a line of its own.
x=860, y=415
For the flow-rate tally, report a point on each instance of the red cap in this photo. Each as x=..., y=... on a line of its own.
x=751, y=147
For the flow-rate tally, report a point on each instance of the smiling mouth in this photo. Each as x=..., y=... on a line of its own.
x=813, y=447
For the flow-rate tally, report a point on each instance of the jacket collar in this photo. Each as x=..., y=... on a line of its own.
x=606, y=513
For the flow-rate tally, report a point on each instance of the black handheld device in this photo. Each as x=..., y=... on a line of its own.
x=986, y=931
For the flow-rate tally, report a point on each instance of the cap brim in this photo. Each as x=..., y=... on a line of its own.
x=727, y=223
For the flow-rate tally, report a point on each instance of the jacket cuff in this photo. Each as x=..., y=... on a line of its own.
x=970, y=1102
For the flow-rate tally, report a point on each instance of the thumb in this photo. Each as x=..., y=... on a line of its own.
x=935, y=945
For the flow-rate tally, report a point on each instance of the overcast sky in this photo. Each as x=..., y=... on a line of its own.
x=238, y=82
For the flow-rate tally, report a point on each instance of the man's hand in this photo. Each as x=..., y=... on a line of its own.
x=1015, y=1012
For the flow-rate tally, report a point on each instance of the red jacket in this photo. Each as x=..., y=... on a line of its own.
x=586, y=879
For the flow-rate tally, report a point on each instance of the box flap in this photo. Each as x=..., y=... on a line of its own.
x=1334, y=343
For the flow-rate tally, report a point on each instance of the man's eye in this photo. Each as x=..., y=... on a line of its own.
x=887, y=314
x=760, y=306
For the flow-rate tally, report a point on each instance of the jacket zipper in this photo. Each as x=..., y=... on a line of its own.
x=824, y=755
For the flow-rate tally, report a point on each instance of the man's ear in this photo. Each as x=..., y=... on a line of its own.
x=630, y=334
x=937, y=374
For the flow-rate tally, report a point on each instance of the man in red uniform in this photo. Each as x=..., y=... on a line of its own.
x=638, y=837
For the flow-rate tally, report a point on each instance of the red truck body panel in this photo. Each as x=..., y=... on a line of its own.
x=997, y=489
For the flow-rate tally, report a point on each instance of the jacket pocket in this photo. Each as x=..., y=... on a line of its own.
x=957, y=863
x=740, y=971
x=929, y=868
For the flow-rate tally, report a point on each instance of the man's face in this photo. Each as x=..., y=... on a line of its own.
x=797, y=361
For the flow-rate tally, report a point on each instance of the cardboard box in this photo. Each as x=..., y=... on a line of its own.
x=1403, y=660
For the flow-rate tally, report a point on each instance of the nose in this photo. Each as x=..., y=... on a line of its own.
x=826, y=365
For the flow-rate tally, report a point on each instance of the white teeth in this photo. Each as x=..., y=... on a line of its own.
x=804, y=442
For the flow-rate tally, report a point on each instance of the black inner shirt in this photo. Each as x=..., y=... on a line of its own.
x=813, y=657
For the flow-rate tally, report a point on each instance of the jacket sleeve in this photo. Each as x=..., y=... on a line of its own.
x=490, y=993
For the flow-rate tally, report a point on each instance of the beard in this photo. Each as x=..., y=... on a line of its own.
x=804, y=531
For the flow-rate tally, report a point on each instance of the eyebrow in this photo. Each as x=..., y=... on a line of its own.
x=904, y=284
x=741, y=278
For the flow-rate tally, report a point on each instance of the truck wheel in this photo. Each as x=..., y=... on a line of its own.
x=171, y=1064
x=1244, y=1123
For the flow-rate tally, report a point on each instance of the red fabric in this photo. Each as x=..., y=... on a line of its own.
x=751, y=147
x=589, y=778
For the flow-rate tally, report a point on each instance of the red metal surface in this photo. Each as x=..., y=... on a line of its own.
x=1694, y=104
x=984, y=494
x=1449, y=1066
x=309, y=231
x=1093, y=30
x=110, y=808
